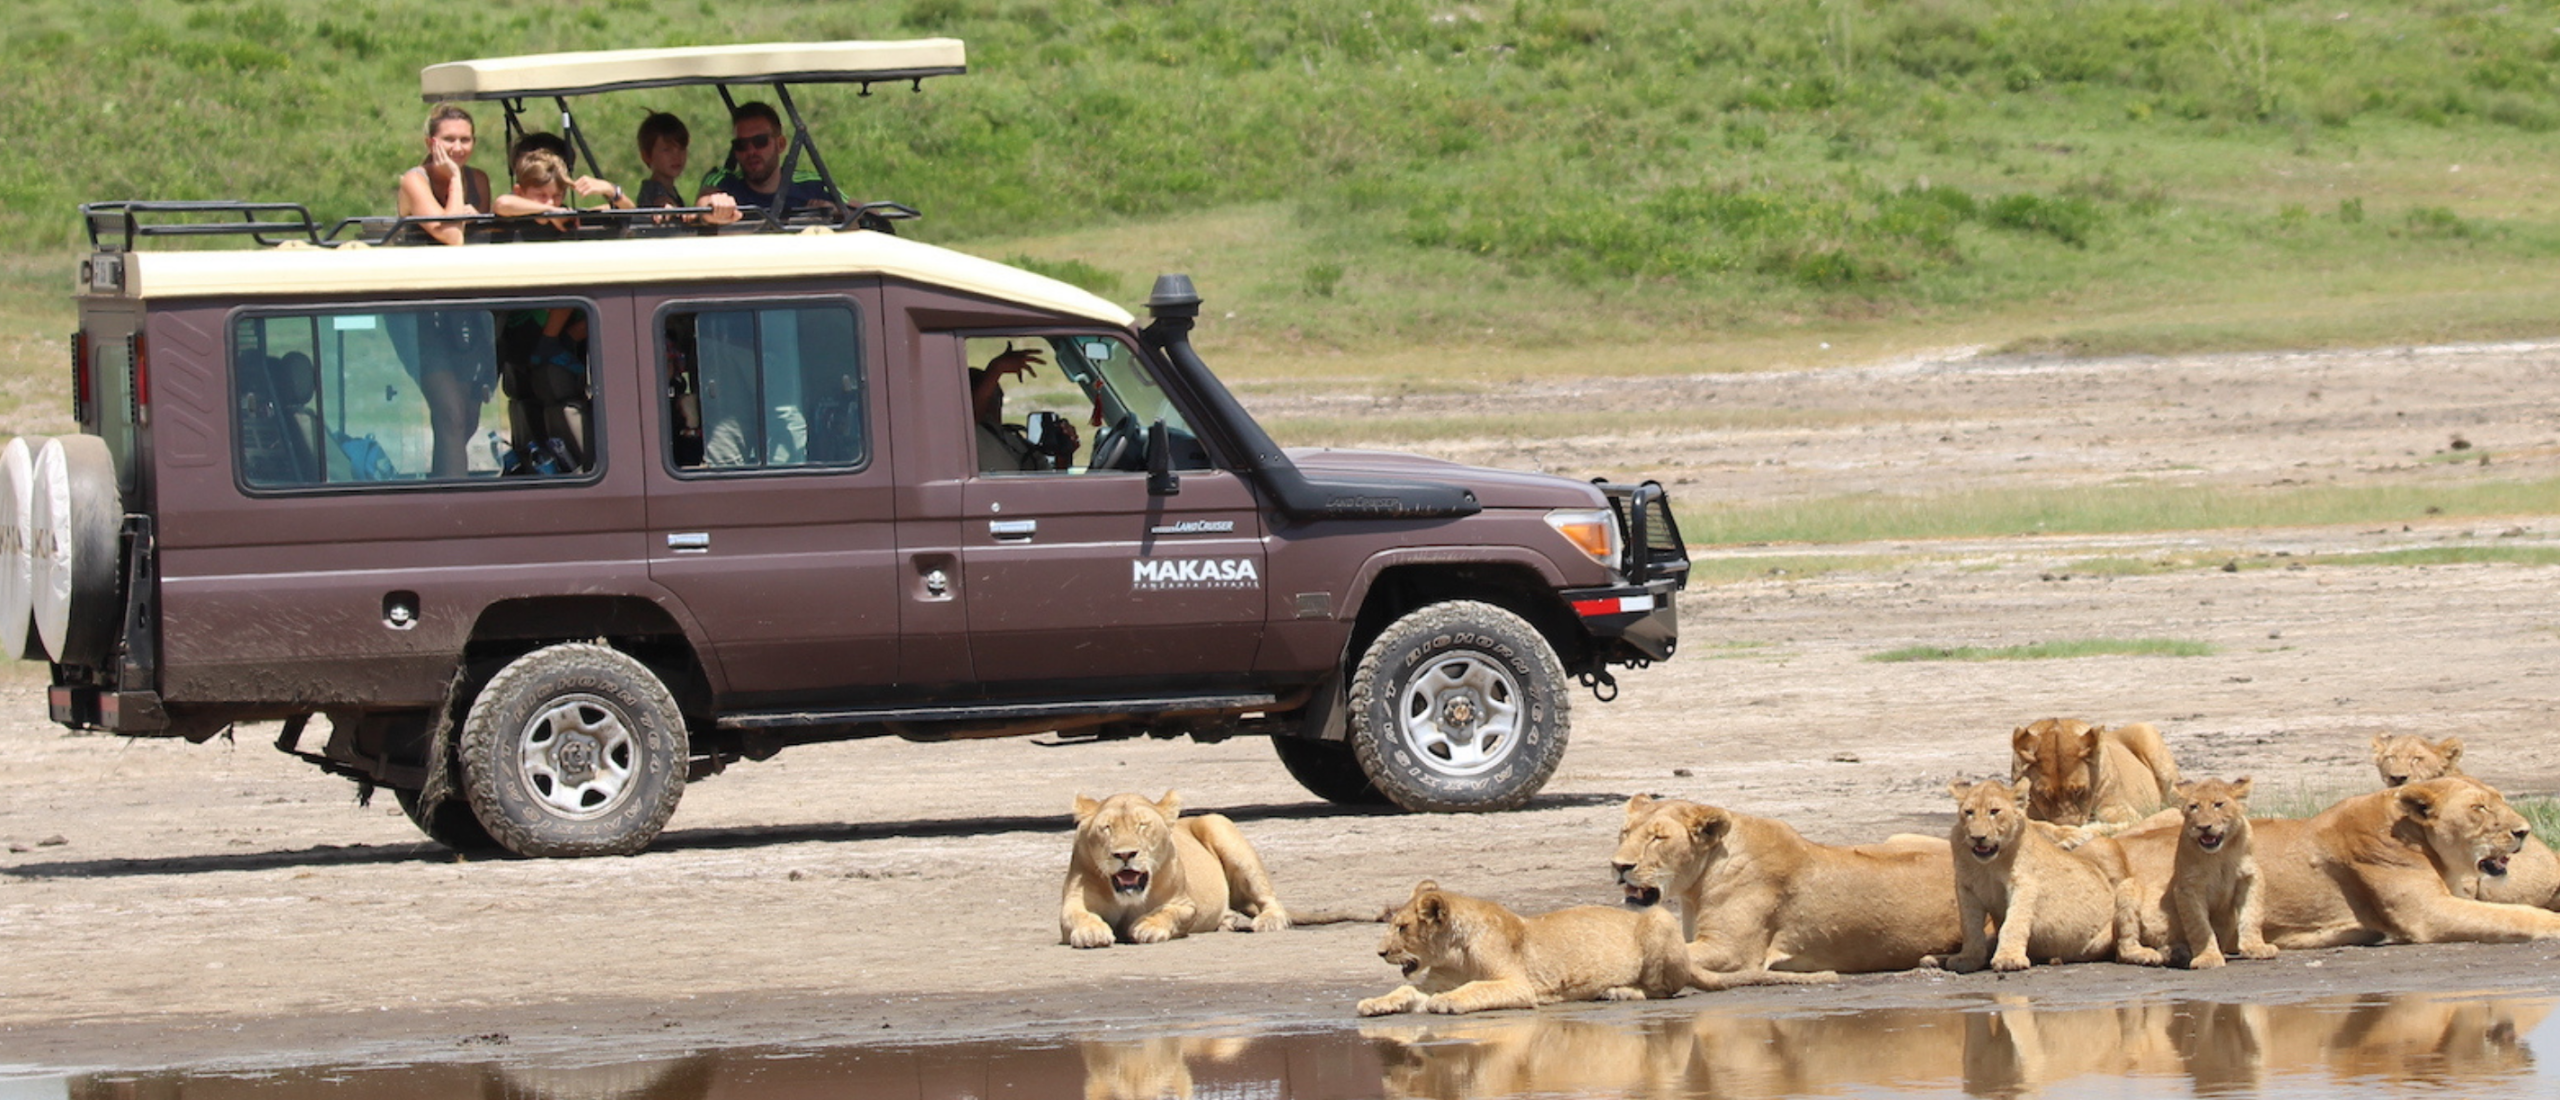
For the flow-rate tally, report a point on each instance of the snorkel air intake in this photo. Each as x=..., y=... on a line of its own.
x=1175, y=306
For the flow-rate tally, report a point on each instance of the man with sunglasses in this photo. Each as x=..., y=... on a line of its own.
x=758, y=149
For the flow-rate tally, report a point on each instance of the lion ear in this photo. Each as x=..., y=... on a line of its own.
x=1429, y=905
x=1170, y=805
x=2240, y=787
x=1637, y=805
x=2451, y=749
x=1084, y=808
x=2417, y=801
x=2378, y=740
x=1958, y=788
x=2184, y=789
x=1426, y=886
x=2022, y=742
x=2089, y=739
x=2021, y=789
x=1710, y=823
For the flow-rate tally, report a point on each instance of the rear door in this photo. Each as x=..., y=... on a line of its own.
x=771, y=501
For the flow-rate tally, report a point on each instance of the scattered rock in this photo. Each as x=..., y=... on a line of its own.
x=1682, y=773
x=1844, y=758
x=55, y=841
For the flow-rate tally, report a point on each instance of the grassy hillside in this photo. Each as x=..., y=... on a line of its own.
x=1352, y=177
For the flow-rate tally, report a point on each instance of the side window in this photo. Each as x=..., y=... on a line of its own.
x=764, y=388
x=426, y=395
x=1070, y=403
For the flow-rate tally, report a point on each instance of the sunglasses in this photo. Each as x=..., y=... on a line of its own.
x=755, y=141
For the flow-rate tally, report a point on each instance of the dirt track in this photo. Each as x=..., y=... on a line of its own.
x=223, y=901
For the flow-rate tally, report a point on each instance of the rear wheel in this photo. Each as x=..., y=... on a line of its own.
x=574, y=750
x=1330, y=770
x=1458, y=707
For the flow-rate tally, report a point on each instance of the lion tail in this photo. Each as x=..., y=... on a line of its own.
x=1298, y=917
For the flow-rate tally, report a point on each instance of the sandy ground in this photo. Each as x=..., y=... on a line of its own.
x=168, y=903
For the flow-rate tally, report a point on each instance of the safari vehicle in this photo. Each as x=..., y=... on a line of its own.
x=763, y=516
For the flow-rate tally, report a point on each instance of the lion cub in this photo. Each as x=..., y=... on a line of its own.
x=2083, y=773
x=2046, y=903
x=1138, y=875
x=2214, y=899
x=1463, y=954
x=2406, y=758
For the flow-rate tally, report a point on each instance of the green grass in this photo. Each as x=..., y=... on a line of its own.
x=2102, y=509
x=2048, y=651
x=1353, y=178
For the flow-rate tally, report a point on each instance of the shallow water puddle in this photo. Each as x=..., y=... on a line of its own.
x=2351, y=1046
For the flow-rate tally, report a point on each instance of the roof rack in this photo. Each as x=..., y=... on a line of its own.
x=132, y=219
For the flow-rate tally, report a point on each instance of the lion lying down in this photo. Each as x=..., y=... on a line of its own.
x=1463, y=954
x=2396, y=866
x=1755, y=896
x=2533, y=876
x=1139, y=875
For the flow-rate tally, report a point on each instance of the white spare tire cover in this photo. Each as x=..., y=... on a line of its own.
x=73, y=526
x=18, y=640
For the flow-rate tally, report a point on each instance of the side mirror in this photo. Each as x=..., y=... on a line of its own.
x=1160, y=478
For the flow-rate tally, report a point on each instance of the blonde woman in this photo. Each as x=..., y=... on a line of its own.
x=444, y=184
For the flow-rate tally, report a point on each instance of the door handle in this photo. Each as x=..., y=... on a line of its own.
x=1013, y=530
x=690, y=542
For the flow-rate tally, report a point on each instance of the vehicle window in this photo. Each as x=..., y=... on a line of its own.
x=1070, y=404
x=405, y=396
x=765, y=388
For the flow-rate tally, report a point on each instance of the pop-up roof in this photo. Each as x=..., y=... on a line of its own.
x=565, y=74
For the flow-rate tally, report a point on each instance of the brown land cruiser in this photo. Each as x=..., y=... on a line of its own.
x=546, y=530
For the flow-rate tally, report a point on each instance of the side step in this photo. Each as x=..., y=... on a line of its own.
x=983, y=712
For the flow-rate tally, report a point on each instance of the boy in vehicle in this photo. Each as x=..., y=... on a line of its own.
x=664, y=146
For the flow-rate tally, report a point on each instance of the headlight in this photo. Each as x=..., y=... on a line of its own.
x=1594, y=531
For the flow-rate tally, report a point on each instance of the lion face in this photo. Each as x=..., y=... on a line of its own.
x=2404, y=759
x=1987, y=817
x=1664, y=843
x=2214, y=810
x=1417, y=931
x=1126, y=838
x=2467, y=822
x=2054, y=753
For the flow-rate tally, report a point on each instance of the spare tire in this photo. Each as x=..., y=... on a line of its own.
x=18, y=640
x=73, y=527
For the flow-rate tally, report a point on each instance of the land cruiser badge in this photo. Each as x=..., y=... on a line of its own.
x=1157, y=574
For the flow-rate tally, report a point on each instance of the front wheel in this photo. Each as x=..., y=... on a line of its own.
x=574, y=750
x=1458, y=707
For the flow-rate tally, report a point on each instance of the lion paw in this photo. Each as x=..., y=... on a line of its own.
x=1272, y=918
x=2257, y=951
x=2138, y=955
x=1388, y=1005
x=2208, y=959
x=1089, y=932
x=1622, y=993
x=1151, y=932
x=2010, y=963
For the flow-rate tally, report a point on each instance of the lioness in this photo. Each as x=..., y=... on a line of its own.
x=2214, y=904
x=2083, y=773
x=1755, y=896
x=2533, y=876
x=2392, y=866
x=2406, y=758
x=1138, y=875
x=1463, y=954
x=2045, y=902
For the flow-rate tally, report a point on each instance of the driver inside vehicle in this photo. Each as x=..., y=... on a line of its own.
x=1042, y=442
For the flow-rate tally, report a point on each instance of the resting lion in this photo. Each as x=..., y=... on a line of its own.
x=2083, y=774
x=2407, y=758
x=2533, y=876
x=1755, y=896
x=2041, y=900
x=1462, y=954
x=1139, y=875
x=2393, y=866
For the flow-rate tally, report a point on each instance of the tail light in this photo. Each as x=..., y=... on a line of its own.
x=81, y=390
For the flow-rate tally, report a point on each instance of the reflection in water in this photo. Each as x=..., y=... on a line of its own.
x=2355, y=1045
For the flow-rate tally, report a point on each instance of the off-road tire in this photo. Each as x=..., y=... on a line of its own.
x=74, y=526
x=560, y=725
x=1330, y=770
x=450, y=823
x=1459, y=707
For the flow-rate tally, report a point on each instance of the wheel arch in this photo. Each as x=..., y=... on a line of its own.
x=508, y=629
x=1524, y=584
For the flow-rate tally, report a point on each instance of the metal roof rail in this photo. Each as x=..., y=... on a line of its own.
x=114, y=226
